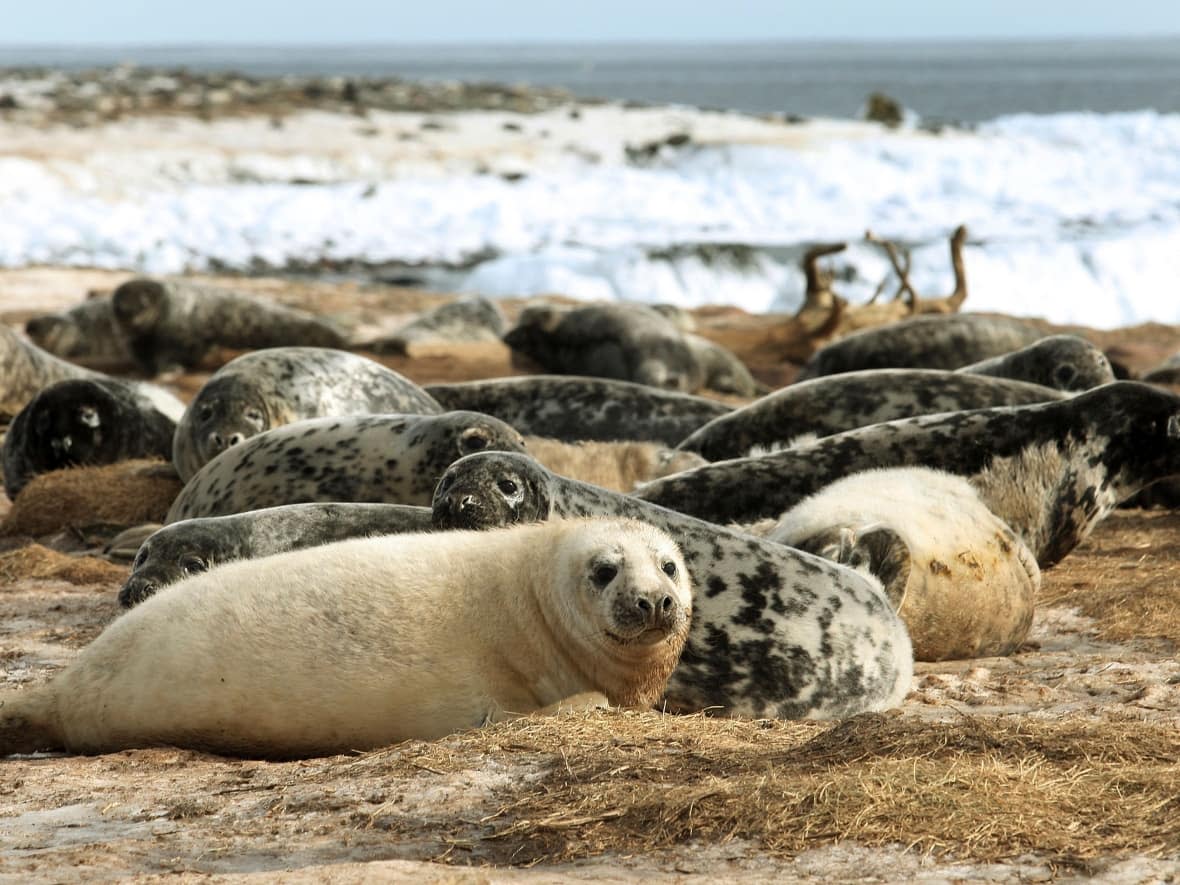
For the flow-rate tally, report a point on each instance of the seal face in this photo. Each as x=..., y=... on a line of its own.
x=175, y=323
x=962, y=581
x=923, y=342
x=269, y=388
x=83, y=422
x=573, y=409
x=361, y=643
x=1050, y=471
x=376, y=459
x=776, y=632
x=1064, y=362
x=192, y=546
x=630, y=342
x=835, y=403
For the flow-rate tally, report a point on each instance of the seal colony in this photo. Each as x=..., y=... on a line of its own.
x=776, y=632
x=193, y=546
x=445, y=632
x=375, y=459
x=1051, y=471
x=269, y=388
x=176, y=323
x=835, y=403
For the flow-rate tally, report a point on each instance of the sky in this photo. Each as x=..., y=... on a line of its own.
x=499, y=21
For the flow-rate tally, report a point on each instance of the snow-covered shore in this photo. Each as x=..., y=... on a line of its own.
x=1073, y=217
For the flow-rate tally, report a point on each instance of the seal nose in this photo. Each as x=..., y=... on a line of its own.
x=467, y=502
x=657, y=611
x=216, y=443
x=236, y=438
x=136, y=591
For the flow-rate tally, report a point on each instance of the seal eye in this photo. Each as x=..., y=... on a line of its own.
x=669, y=568
x=205, y=413
x=507, y=487
x=193, y=565
x=475, y=441
x=604, y=574
x=253, y=416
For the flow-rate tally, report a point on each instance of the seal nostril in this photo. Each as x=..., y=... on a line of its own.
x=216, y=441
x=666, y=604
x=644, y=605
x=467, y=501
x=236, y=438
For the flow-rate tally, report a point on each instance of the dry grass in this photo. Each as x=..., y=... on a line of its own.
x=1127, y=581
x=986, y=788
x=35, y=561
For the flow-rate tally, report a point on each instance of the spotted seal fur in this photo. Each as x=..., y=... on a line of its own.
x=83, y=421
x=192, y=546
x=629, y=342
x=176, y=323
x=362, y=643
x=1051, y=471
x=922, y=342
x=962, y=581
x=776, y=632
x=269, y=388
x=1064, y=362
x=835, y=403
x=575, y=409
x=375, y=459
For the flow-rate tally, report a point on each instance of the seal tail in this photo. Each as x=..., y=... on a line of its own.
x=29, y=721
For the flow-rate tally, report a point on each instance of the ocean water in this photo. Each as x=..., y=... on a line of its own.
x=953, y=81
x=1068, y=180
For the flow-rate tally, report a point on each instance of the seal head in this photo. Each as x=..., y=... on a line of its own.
x=492, y=490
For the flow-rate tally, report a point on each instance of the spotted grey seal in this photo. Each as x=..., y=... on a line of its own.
x=776, y=632
x=835, y=403
x=192, y=546
x=1064, y=362
x=962, y=581
x=86, y=334
x=575, y=409
x=629, y=342
x=83, y=421
x=922, y=342
x=462, y=320
x=375, y=459
x=269, y=388
x=1051, y=471
x=362, y=643
x=176, y=323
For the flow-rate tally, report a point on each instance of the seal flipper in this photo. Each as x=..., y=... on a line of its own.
x=875, y=549
x=29, y=722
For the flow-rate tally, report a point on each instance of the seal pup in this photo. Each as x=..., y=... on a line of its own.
x=962, y=581
x=924, y=342
x=175, y=323
x=363, y=643
x=630, y=342
x=192, y=546
x=835, y=403
x=86, y=334
x=1051, y=471
x=776, y=632
x=374, y=459
x=1064, y=362
x=462, y=320
x=269, y=388
x=83, y=421
x=574, y=409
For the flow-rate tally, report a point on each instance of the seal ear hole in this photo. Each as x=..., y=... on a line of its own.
x=603, y=574
x=193, y=565
x=507, y=487
x=669, y=568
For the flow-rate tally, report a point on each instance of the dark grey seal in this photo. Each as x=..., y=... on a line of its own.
x=176, y=323
x=1167, y=372
x=629, y=342
x=196, y=545
x=83, y=421
x=462, y=320
x=577, y=409
x=1064, y=362
x=269, y=388
x=86, y=334
x=374, y=459
x=923, y=342
x=775, y=631
x=835, y=403
x=1051, y=471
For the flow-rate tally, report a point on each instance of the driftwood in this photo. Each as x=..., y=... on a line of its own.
x=900, y=260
